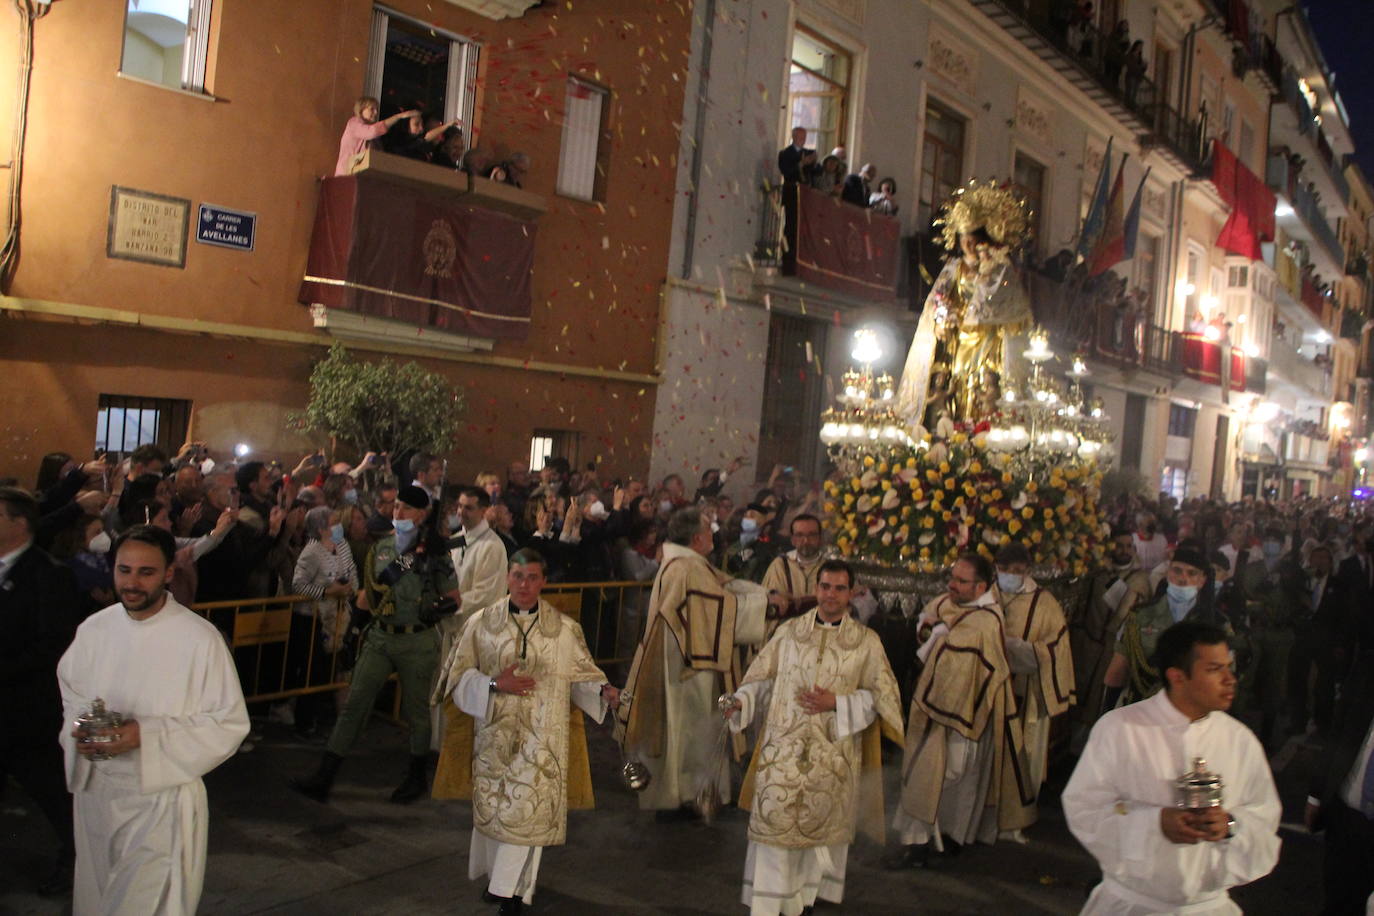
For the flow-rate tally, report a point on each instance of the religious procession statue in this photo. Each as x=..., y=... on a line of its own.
x=961, y=352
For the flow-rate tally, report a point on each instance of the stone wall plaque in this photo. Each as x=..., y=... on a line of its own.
x=147, y=227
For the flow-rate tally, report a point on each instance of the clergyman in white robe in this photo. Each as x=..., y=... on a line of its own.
x=142, y=816
x=1126, y=775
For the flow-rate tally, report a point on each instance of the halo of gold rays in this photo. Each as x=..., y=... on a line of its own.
x=997, y=209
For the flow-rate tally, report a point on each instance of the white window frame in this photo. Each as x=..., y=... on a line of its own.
x=195, y=53
x=460, y=93
x=580, y=149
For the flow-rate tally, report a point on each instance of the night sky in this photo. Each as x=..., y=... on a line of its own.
x=1343, y=30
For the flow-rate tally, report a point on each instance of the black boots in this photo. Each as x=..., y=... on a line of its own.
x=416, y=782
x=317, y=787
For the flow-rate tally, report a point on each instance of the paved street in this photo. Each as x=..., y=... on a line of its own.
x=273, y=852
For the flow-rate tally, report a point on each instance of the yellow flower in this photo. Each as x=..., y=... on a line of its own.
x=829, y=508
x=976, y=467
x=958, y=502
x=842, y=542
x=868, y=461
x=905, y=551
x=983, y=549
x=882, y=467
x=1035, y=537
x=927, y=522
x=944, y=467
x=949, y=483
x=911, y=462
x=918, y=494
x=1030, y=487
x=925, y=553
x=1013, y=526
x=1071, y=473
x=848, y=500
x=831, y=488
x=892, y=520
x=855, y=483
x=1003, y=540
x=958, y=438
x=946, y=516
x=887, y=485
x=996, y=495
x=932, y=475
x=1028, y=512
x=1049, y=526
x=1049, y=513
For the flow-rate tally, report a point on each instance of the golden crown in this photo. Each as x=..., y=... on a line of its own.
x=996, y=209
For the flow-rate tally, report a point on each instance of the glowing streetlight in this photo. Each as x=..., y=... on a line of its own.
x=867, y=349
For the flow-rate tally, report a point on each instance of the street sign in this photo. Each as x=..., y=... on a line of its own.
x=226, y=228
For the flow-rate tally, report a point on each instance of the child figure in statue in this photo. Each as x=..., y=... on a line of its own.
x=976, y=304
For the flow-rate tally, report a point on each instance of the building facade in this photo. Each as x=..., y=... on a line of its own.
x=1179, y=340
x=240, y=107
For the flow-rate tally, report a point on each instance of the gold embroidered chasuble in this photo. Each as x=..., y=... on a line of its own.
x=805, y=786
x=519, y=764
x=966, y=687
x=787, y=575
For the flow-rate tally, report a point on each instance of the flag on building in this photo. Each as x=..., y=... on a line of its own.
x=1097, y=210
x=1111, y=243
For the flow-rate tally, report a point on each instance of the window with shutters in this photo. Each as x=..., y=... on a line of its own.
x=582, y=160
x=942, y=161
x=167, y=42
x=414, y=64
x=818, y=90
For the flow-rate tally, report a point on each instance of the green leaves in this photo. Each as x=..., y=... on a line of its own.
x=381, y=406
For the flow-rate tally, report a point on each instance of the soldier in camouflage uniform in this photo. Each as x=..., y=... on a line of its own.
x=409, y=585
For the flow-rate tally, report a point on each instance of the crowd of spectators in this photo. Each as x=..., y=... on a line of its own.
x=799, y=164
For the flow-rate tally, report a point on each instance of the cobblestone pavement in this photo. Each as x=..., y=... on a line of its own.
x=274, y=852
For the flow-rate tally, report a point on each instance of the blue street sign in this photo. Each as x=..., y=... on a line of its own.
x=226, y=228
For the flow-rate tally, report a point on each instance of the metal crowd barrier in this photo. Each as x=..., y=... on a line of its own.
x=281, y=654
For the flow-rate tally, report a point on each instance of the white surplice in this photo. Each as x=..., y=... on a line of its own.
x=1127, y=773
x=142, y=817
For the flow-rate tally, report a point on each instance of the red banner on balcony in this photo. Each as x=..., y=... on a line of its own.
x=395, y=251
x=846, y=248
x=1201, y=358
x=1237, y=370
x=1252, y=204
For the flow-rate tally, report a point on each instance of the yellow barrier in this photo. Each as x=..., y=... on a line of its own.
x=281, y=654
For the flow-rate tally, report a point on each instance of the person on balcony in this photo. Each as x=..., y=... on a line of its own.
x=884, y=200
x=421, y=138
x=829, y=178
x=1114, y=54
x=857, y=187
x=977, y=303
x=1135, y=71
x=364, y=128
x=796, y=161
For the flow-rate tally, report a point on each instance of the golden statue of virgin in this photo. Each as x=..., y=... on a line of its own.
x=959, y=355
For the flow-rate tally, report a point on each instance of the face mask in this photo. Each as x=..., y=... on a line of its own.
x=1272, y=549
x=350, y=497
x=1182, y=594
x=715, y=527
x=336, y=533
x=597, y=510
x=1009, y=582
x=100, y=544
x=403, y=525
x=748, y=525
x=665, y=506
x=455, y=522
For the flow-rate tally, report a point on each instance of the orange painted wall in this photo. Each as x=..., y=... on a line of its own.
x=285, y=76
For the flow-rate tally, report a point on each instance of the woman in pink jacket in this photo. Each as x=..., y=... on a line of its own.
x=362, y=129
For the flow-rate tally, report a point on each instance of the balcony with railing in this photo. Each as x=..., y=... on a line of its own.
x=822, y=240
x=1089, y=58
x=1298, y=370
x=1352, y=324
x=1306, y=220
x=1254, y=51
x=1296, y=124
x=400, y=244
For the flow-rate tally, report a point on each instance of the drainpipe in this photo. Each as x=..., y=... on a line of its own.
x=698, y=129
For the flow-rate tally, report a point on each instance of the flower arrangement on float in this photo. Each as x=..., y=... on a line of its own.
x=1030, y=473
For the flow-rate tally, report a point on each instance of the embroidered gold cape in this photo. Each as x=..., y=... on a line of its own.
x=1037, y=617
x=1094, y=634
x=788, y=576
x=966, y=687
x=526, y=765
x=691, y=605
x=804, y=786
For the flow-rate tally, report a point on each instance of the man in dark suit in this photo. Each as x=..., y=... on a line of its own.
x=1357, y=570
x=796, y=163
x=1320, y=652
x=39, y=609
x=1341, y=800
x=857, y=187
